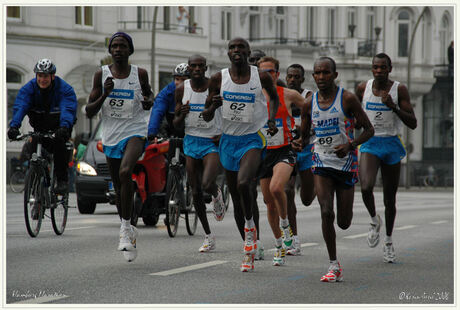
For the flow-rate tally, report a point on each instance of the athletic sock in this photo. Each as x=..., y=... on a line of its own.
x=296, y=238
x=284, y=222
x=278, y=242
x=388, y=239
x=334, y=263
x=374, y=219
x=250, y=223
x=125, y=223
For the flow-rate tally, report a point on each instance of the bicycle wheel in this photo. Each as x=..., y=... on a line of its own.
x=59, y=210
x=34, y=200
x=17, y=181
x=191, y=217
x=173, y=201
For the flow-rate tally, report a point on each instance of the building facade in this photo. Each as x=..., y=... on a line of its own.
x=75, y=39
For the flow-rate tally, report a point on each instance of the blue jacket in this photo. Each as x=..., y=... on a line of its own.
x=62, y=98
x=164, y=102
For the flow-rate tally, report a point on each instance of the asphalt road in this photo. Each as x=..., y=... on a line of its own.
x=83, y=267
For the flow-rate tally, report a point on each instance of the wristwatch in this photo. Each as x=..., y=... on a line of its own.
x=396, y=108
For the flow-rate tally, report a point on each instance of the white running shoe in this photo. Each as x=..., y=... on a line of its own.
x=218, y=206
x=130, y=255
x=248, y=263
x=128, y=237
x=250, y=240
x=373, y=236
x=260, y=254
x=279, y=257
x=296, y=249
x=334, y=274
x=388, y=253
x=208, y=244
x=288, y=240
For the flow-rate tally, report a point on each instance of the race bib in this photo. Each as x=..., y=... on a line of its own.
x=327, y=138
x=276, y=139
x=195, y=117
x=238, y=107
x=120, y=103
x=380, y=115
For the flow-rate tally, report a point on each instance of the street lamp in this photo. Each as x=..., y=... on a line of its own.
x=409, y=62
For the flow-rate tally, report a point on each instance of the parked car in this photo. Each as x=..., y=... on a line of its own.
x=93, y=183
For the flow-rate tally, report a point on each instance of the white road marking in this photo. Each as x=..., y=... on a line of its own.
x=40, y=300
x=405, y=227
x=355, y=236
x=303, y=245
x=439, y=222
x=188, y=268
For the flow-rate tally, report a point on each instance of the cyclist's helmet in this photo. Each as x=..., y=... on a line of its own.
x=45, y=66
x=181, y=70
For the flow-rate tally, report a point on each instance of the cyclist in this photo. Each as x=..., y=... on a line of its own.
x=51, y=104
x=123, y=93
x=278, y=164
x=238, y=90
x=201, y=137
x=165, y=104
x=295, y=76
x=387, y=104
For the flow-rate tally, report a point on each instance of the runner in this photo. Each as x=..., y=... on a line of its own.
x=165, y=104
x=51, y=104
x=331, y=112
x=238, y=90
x=387, y=104
x=279, y=162
x=200, y=143
x=123, y=93
x=295, y=76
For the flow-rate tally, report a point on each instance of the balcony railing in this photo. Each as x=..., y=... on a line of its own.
x=443, y=71
x=147, y=26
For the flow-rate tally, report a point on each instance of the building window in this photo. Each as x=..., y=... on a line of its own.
x=370, y=23
x=13, y=12
x=254, y=27
x=164, y=78
x=403, y=33
x=254, y=8
x=311, y=14
x=166, y=18
x=13, y=84
x=280, y=24
x=443, y=39
x=84, y=16
x=226, y=26
x=139, y=17
x=331, y=25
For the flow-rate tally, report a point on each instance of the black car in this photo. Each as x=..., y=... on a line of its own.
x=93, y=183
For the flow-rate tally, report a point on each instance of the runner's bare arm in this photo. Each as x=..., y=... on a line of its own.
x=406, y=113
x=293, y=97
x=267, y=84
x=181, y=110
x=305, y=125
x=214, y=99
x=97, y=96
x=147, y=94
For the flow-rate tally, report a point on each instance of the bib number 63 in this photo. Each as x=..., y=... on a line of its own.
x=116, y=102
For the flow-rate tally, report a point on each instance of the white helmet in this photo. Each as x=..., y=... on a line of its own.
x=45, y=66
x=181, y=70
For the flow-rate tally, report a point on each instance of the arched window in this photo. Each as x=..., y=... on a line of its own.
x=443, y=38
x=370, y=23
x=403, y=33
x=13, y=84
x=281, y=23
x=311, y=22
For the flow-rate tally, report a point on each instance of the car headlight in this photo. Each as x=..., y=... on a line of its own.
x=85, y=168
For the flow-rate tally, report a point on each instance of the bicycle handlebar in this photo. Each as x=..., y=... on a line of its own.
x=48, y=134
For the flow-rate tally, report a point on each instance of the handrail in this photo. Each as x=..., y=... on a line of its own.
x=147, y=25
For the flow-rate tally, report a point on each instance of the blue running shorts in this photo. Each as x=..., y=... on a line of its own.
x=305, y=158
x=390, y=150
x=233, y=148
x=198, y=147
x=117, y=150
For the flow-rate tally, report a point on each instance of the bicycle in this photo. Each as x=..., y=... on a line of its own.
x=17, y=178
x=39, y=192
x=178, y=193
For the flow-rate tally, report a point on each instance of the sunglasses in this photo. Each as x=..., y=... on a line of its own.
x=268, y=70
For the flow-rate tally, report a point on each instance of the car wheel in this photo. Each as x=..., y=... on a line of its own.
x=150, y=220
x=86, y=207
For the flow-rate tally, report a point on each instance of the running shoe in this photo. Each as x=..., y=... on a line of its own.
x=250, y=240
x=288, y=240
x=334, y=274
x=130, y=255
x=260, y=254
x=279, y=258
x=218, y=206
x=296, y=249
x=208, y=244
x=128, y=237
x=248, y=263
x=373, y=236
x=388, y=253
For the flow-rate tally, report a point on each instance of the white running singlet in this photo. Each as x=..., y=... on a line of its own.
x=385, y=121
x=195, y=125
x=122, y=112
x=244, y=107
x=332, y=128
